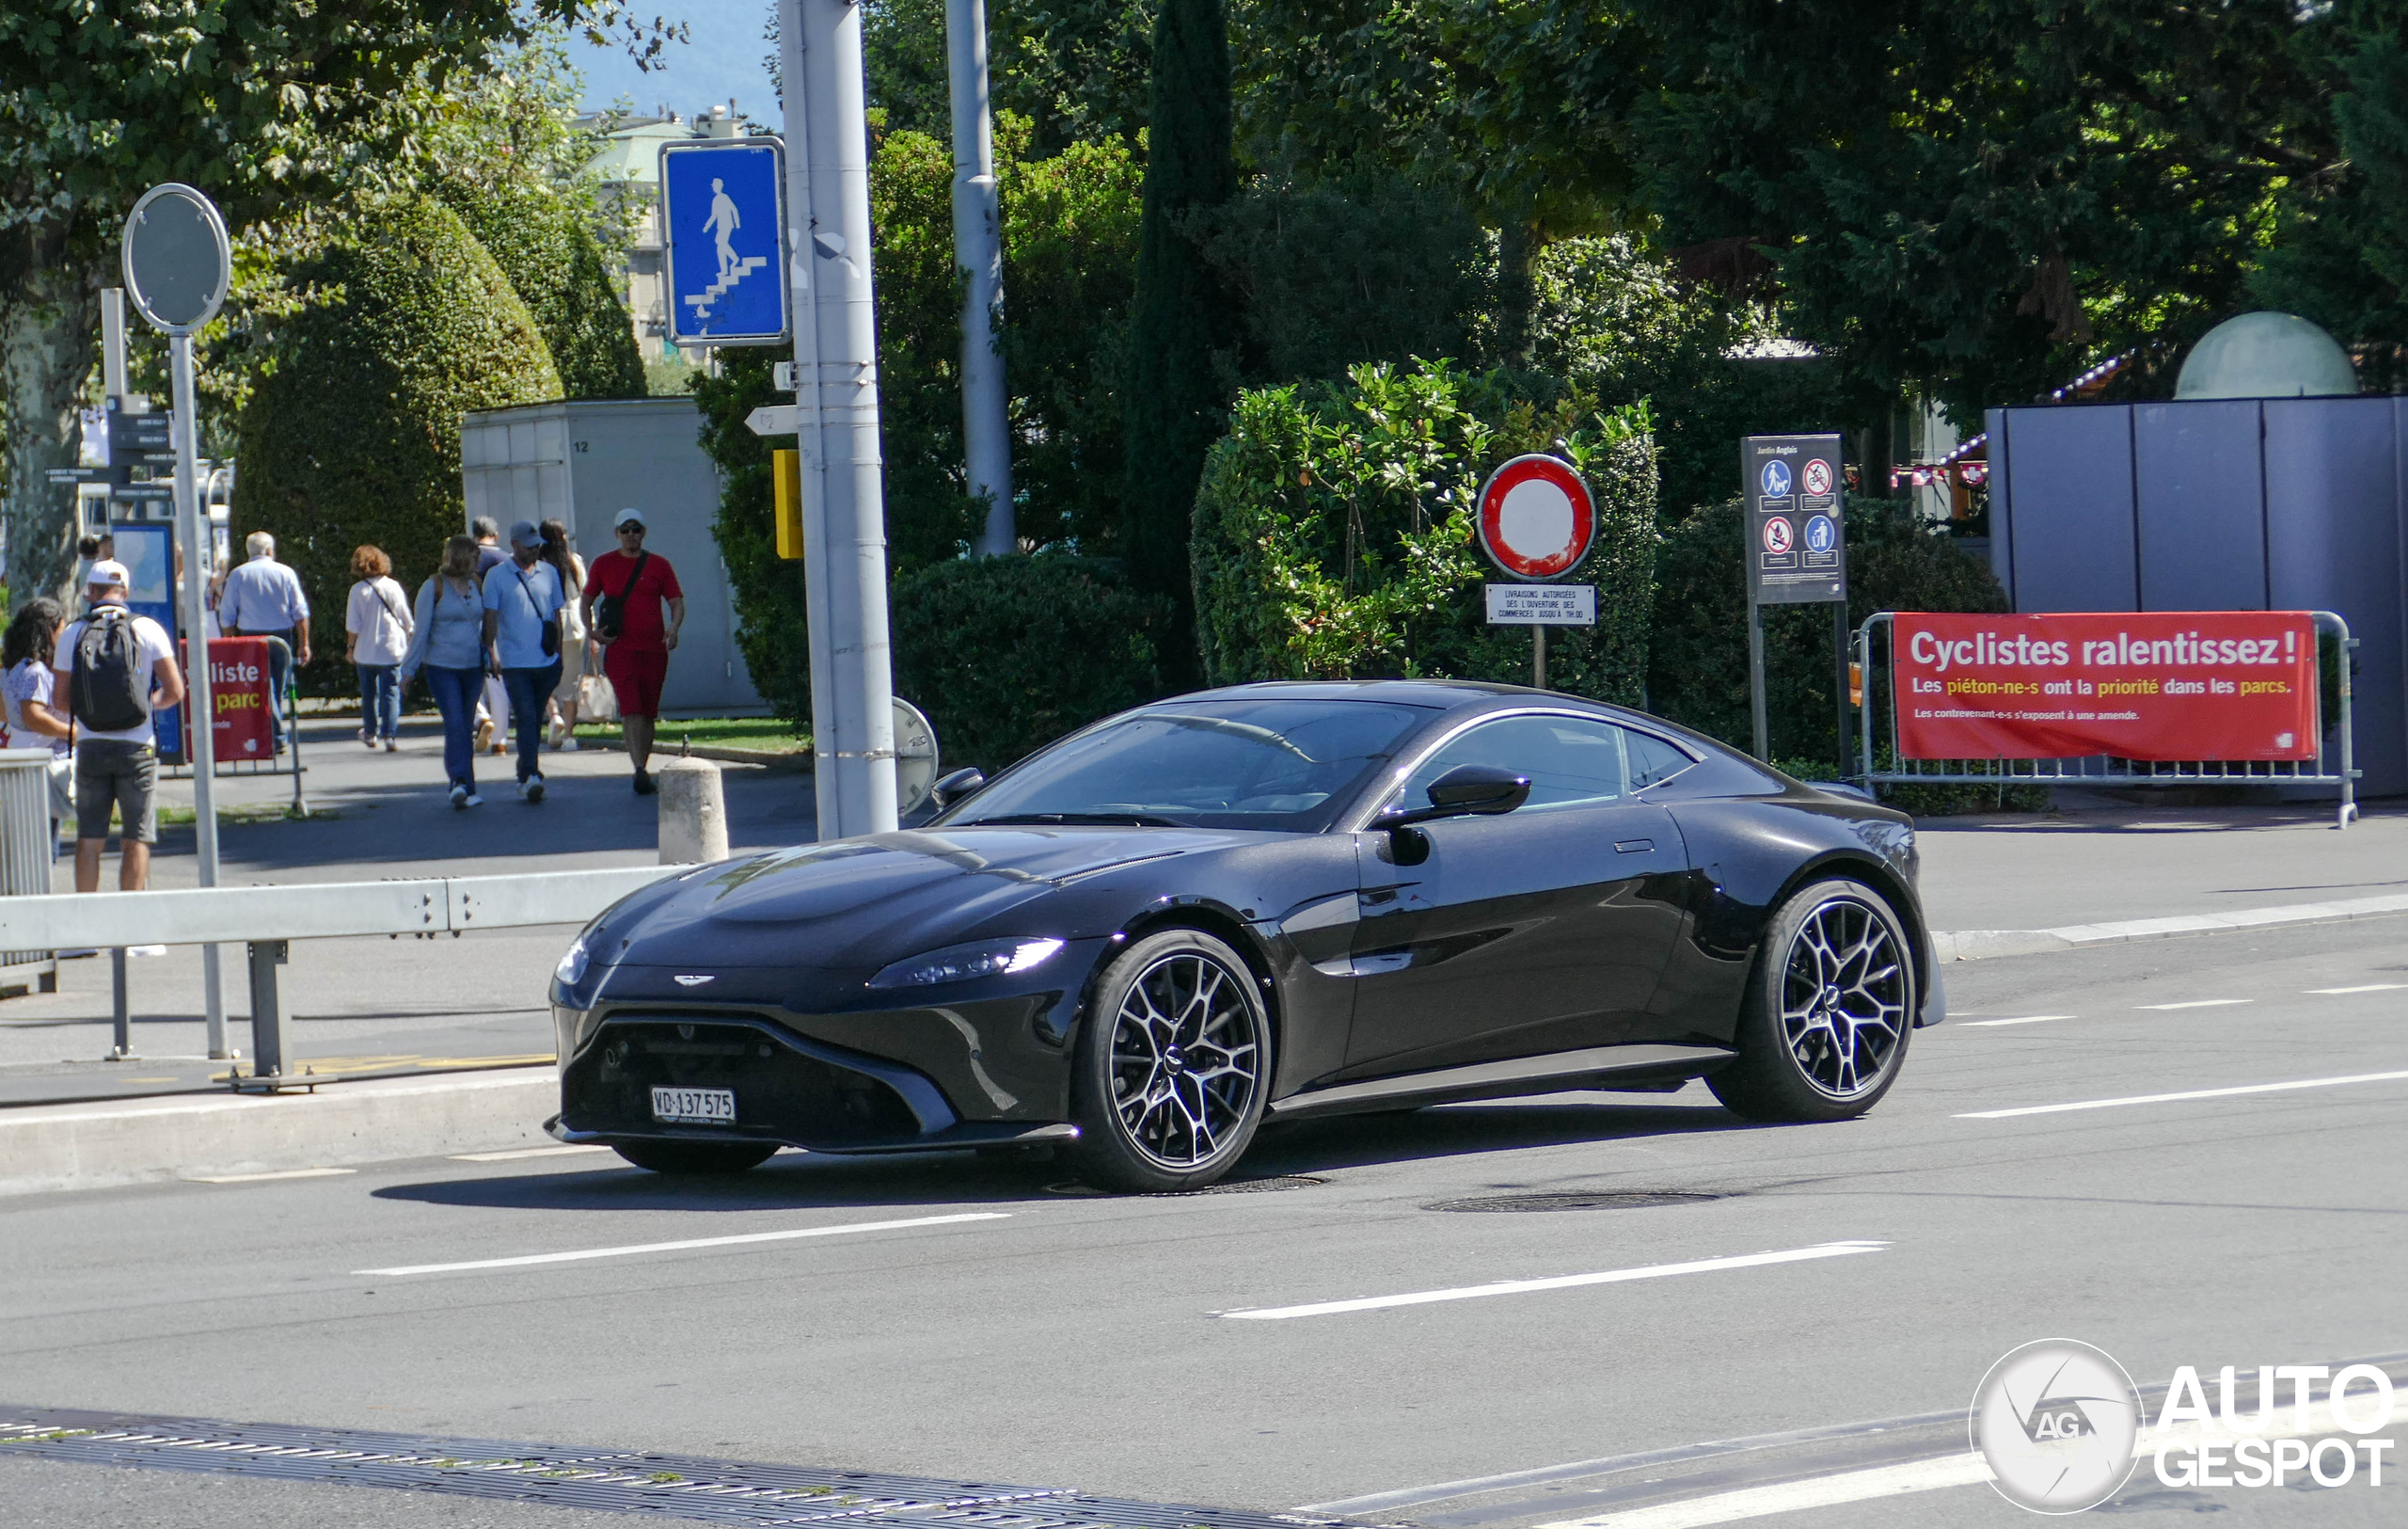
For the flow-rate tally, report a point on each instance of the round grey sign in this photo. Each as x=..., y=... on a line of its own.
x=177, y=261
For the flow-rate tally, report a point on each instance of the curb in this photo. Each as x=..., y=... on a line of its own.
x=1984, y=944
x=49, y=1147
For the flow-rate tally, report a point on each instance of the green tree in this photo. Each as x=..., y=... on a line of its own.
x=770, y=616
x=556, y=264
x=353, y=433
x=1075, y=69
x=270, y=106
x=1173, y=401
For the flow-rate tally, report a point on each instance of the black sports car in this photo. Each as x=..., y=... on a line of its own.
x=1265, y=901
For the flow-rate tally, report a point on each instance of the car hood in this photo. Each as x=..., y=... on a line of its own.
x=859, y=903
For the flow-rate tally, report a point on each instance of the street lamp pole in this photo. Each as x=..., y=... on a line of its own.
x=978, y=250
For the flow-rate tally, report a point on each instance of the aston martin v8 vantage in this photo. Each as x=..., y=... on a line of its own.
x=1256, y=904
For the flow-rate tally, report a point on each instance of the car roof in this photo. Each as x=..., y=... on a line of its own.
x=1437, y=694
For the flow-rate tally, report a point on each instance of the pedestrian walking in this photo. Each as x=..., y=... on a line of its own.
x=377, y=626
x=492, y=710
x=116, y=669
x=574, y=641
x=626, y=595
x=28, y=684
x=447, y=644
x=523, y=599
x=263, y=599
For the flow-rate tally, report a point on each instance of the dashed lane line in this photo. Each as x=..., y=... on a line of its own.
x=2363, y=987
x=2177, y=1098
x=529, y=1260
x=2027, y=1019
x=1564, y=1281
x=2195, y=1003
x=270, y=1178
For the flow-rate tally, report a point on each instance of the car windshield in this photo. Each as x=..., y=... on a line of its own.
x=1207, y=764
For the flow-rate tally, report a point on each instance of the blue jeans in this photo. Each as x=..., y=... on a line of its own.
x=529, y=689
x=380, y=699
x=455, y=696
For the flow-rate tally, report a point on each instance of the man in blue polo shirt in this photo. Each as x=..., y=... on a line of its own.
x=523, y=600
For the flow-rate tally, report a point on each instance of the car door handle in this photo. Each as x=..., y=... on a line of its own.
x=1633, y=846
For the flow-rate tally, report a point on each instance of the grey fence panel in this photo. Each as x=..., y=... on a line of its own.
x=26, y=839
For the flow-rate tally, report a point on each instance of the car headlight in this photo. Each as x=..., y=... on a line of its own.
x=571, y=970
x=962, y=962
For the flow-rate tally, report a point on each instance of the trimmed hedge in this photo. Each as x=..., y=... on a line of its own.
x=1008, y=654
x=556, y=264
x=768, y=589
x=353, y=433
x=1334, y=532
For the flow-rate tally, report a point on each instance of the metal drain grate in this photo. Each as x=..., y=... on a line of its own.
x=1226, y=1186
x=669, y=1486
x=1596, y=1199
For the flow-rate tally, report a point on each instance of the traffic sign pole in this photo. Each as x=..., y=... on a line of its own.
x=843, y=521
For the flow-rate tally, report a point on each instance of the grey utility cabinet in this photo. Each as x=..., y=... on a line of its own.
x=585, y=462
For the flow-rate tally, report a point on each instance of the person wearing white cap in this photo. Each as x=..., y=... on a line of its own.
x=625, y=592
x=116, y=669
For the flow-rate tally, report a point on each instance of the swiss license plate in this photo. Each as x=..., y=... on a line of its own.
x=711, y=1107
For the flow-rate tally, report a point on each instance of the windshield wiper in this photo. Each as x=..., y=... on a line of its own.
x=1135, y=819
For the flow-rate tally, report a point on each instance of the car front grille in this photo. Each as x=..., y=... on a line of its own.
x=781, y=1092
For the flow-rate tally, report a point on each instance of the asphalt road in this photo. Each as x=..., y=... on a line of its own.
x=1067, y=1340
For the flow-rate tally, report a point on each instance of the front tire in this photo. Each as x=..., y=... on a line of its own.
x=690, y=1158
x=1172, y=1067
x=1823, y=1029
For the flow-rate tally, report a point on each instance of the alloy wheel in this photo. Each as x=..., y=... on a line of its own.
x=1843, y=998
x=1186, y=1059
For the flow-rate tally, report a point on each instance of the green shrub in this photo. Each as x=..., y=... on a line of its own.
x=769, y=610
x=552, y=258
x=352, y=434
x=1698, y=651
x=1008, y=654
x=1334, y=531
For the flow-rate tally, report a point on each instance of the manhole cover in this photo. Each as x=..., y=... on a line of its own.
x=1226, y=1186
x=1596, y=1200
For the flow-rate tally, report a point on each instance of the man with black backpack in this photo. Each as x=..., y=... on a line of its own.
x=115, y=668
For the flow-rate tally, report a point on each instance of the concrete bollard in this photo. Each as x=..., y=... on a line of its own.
x=693, y=812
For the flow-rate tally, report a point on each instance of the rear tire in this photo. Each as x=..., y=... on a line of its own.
x=1824, y=1026
x=1172, y=1066
x=686, y=1158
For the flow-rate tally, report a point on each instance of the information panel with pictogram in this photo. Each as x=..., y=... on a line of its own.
x=1798, y=526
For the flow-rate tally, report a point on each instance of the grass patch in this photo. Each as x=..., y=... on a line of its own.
x=249, y=812
x=771, y=735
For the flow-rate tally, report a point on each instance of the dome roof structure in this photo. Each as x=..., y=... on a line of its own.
x=2266, y=355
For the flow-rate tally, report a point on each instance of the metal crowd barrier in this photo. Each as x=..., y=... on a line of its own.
x=267, y=918
x=2331, y=766
x=28, y=841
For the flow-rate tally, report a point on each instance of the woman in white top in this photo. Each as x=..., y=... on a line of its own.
x=564, y=695
x=26, y=687
x=379, y=624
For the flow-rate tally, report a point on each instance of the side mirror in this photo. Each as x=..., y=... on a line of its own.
x=1465, y=791
x=953, y=788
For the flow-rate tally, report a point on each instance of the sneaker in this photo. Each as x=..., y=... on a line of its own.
x=392, y=745
x=558, y=731
x=531, y=788
x=568, y=744
x=459, y=796
x=500, y=747
x=473, y=801
x=644, y=783
x=368, y=737
x=485, y=731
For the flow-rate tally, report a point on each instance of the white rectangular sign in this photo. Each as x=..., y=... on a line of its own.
x=1542, y=605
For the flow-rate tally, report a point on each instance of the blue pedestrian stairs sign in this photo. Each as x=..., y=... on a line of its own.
x=722, y=219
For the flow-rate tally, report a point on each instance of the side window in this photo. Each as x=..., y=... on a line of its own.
x=1653, y=761
x=1570, y=760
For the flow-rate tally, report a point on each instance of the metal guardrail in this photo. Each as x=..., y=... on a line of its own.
x=268, y=919
x=2098, y=770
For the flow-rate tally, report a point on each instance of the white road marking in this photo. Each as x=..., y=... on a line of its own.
x=526, y=1260
x=1963, y=1469
x=264, y=1178
x=2370, y=987
x=1564, y=1281
x=2195, y=1093
x=2197, y=1003
x=2028, y=1019
x=516, y=1152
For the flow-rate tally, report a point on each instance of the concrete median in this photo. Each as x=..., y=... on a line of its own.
x=90, y=1146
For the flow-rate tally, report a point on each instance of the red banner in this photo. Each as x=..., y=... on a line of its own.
x=2151, y=685
x=238, y=692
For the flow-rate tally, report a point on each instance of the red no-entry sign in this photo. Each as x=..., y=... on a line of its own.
x=1536, y=518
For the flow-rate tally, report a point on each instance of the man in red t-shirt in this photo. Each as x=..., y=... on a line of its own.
x=636, y=645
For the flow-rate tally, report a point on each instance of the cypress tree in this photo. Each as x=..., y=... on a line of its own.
x=1175, y=399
